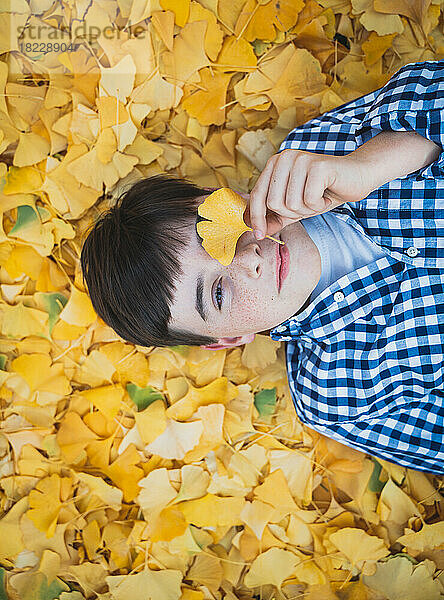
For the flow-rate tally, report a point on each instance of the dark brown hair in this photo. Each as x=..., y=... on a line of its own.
x=130, y=260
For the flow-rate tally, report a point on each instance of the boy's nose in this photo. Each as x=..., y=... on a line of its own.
x=249, y=257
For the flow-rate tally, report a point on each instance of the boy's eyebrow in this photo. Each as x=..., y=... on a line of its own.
x=200, y=304
x=200, y=307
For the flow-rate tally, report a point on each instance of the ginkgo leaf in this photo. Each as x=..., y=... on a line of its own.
x=177, y=438
x=194, y=483
x=358, y=546
x=219, y=390
x=110, y=495
x=224, y=210
x=429, y=537
x=46, y=501
x=180, y=8
x=212, y=511
x=146, y=585
x=398, y=579
x=271, y=567
x=207, y=105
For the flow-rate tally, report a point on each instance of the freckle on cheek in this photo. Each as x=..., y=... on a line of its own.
x=250, y=305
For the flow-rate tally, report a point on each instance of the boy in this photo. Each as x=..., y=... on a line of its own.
x=357, y=195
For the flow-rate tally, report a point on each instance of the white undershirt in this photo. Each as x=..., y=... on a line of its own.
x=343, y=248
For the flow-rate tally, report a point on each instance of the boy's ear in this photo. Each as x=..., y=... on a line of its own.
x=228, y=342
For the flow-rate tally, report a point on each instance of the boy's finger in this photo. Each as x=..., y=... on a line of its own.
x=258, y=196
x=294, y=198
x=278, y=186
x=313, y=191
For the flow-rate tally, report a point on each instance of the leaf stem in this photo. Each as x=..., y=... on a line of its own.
x=275, y=240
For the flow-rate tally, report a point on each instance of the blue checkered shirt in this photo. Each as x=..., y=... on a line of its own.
x=365, y=358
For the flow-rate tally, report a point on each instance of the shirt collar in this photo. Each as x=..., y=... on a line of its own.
x=351, y=297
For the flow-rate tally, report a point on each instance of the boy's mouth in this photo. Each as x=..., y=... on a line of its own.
x=282, y=263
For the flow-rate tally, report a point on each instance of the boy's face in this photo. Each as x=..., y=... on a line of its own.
x=250, y=301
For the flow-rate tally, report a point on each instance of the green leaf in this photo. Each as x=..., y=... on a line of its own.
x=26, y=216
x=34, y=586
x=52, y=303
x=2, y=585
x=44, y=213
x=182, y=350
x=143, y=397
x=265, y=403
x=375, y=484
x=3, y=359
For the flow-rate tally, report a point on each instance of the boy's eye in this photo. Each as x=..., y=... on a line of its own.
x=219, y=295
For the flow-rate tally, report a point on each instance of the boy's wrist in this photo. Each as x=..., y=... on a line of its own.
x=390, y=155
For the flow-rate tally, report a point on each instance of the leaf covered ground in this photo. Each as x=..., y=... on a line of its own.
x=134, y=473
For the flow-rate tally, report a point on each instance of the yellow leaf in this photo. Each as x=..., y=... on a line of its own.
x=106, y=145
x=118, y=80
x=107, y=399
x=213, y=511
x=31, y=149
x=78, y=310
x=170, y=523
x=111, y=112
x=180, y=8
x=152, y=421
x=73, y=435
x=236, y=55
x=194, y=483
x=19, y=321
x=125, y=474
x=256, y=515
x=220, y=390
x=272, y=567
x=275, y=491
x=358, y=546
x=188, y=56
x=22, y=180
x=375, y=46
x=156, y=492
x=395, y=505
x=146, y=585
x=224, y=209
x=214, y=34
x=207, y=105
x=46, y=501
x=67, y=194
x=91, y=538
x=399, y=579
x=163, y=22
x=110, y=495
x=176, y=440
x=10, y=532
x=428, y=538
x=41, y=375
x=89, y=170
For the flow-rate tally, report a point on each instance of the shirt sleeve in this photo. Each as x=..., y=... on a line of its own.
x=412, y=100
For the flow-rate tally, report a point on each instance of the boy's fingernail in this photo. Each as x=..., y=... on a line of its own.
x=258, y=234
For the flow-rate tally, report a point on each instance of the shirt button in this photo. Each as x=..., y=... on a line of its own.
x=338, y=296
x=412, y=251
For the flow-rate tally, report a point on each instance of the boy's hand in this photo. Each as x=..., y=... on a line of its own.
x=295, y=185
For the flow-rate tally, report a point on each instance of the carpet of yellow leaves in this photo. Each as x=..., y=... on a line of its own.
x=131, y=473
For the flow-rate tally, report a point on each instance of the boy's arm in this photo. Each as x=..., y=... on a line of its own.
x=393, y=154
x=411, y=101
x=295, y=184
